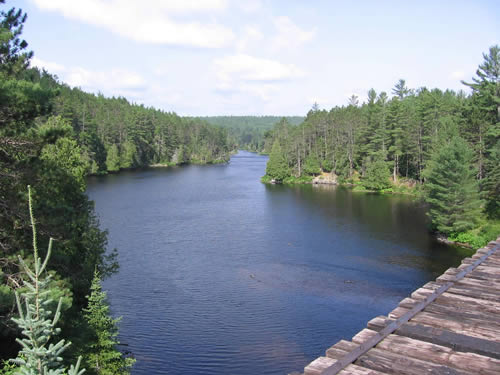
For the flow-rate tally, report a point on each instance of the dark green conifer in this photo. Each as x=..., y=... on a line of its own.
x=377, y=176
x=277, y=166
x=113, y=159
x=38, y=356
x=103, y=357
x=451, y=188
x=311, y=165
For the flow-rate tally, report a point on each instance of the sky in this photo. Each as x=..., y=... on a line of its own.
x=257, y=57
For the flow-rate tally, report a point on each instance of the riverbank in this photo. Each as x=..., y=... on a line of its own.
x=403, y=186
x=485, y=231
x=166, y=165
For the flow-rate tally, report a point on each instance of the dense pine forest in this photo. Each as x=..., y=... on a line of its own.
x=114, y=134
x=442, y=143
x=249, y=132
x=51, y=137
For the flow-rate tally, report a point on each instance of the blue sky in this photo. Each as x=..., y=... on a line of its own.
x=255, y=57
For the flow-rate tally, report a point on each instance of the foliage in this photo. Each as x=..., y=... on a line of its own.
x=38, y=355
x=451, y=188
x=490, y=186
x=8, y=368
x=277, y=167
x=327, y=165
x=13, y=55
x=377, y=175
x=103, y=356
x=113, y=159
x=311, y=165
x=248, y=132
x=127, y=157
x=43, y=150
x=478, y=237
x=474, y=240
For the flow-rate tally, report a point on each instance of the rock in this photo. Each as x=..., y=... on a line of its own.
x=325, y=179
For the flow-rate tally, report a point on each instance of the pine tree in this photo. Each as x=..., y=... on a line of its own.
x=38, y=325
x=451, y=188
x=113, y=159
x=490, y=186
x=311, y=165
x=127, y=157
x=277, y=166
x=377, y=175
x=104, y=358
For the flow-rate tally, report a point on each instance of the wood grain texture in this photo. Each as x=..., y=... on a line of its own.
x=448, y=326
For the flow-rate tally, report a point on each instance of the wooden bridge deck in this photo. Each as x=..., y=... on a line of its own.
x=449, y=326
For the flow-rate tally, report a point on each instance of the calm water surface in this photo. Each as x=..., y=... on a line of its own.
x=220, y=274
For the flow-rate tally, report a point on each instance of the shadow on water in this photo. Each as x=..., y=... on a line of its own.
x=221, y=274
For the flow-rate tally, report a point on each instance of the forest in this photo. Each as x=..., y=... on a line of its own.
x=52, y=137
x=114, y=134
x=249, y=132
x=444, y=144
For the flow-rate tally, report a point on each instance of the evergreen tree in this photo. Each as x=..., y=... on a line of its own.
x=113, y=159
x=103, y=357
x=277, y=166
x=13, y=57
x=490, y=186
x=311, y=165
x=377, y=175
x=38, y=356
x=451, y=188
x=127, y=157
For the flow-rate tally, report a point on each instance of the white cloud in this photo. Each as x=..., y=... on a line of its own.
x=248, y=68
x=289, y=34
x=51, y=67
x=250, y=6
x=251, y=36
x=149, y=21
x=248, y=74
x=116, y=81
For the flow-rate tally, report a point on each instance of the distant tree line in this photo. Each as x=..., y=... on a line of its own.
x=114, y=134
x=446, y=142
x=249, y=132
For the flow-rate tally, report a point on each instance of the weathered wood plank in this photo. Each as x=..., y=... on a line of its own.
x=473, y=326
x=340, y=348
x=489, y=284
x=424, y=351
x=451, y=274
x=475, y=363
x=446, y=310
x=391, y=363
x=479, y=329
x=460, y=301
x=317, y=366
x=439, y=336
x=363, y=335
x=490, y=262
x=467, y=290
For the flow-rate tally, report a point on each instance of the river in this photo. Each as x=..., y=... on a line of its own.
x=221, y=274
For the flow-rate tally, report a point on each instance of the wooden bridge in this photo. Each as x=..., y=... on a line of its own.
x=449, y=326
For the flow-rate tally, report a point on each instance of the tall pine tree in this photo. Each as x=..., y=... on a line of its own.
x=277, y=166
x=451, y=188
x=103, y=357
